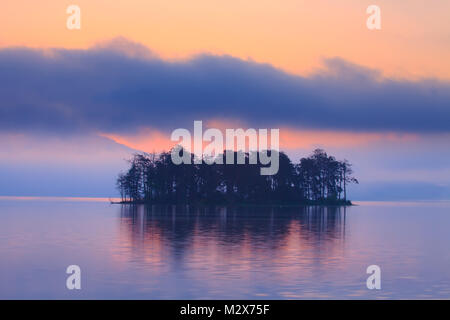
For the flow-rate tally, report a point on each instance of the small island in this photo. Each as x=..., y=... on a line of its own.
x=319, y=179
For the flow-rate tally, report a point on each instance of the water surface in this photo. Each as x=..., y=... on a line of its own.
x=180, y=252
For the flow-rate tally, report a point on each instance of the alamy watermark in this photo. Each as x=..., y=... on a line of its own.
x=74, y=20
x=251, y=140
x=74, y=280
x=374, y=20
x=374, y=280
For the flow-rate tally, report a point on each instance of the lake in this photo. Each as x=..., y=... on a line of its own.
x=181, y=252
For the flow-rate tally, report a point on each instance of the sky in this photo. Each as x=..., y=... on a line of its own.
x=75, y=104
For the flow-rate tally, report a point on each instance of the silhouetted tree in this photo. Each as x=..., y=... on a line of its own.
x=319, y=178
x=346, y=175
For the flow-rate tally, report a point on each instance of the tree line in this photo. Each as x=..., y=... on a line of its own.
x=317, y=179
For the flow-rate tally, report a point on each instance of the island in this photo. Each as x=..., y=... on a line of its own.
x=319, y=179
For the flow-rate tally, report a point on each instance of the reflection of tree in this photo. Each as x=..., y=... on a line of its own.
x=179, y=228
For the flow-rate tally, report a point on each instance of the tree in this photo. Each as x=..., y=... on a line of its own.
x=347, y=171
x=155, y=178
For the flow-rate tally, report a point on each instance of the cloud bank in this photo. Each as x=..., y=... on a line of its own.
x=121, y=87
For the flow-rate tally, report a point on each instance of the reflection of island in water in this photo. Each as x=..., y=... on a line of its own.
x=223, y=238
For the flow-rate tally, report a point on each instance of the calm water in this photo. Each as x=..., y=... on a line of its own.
x=221, y=253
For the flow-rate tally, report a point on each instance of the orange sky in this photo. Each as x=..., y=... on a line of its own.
x=295, y=35
x=152, y=140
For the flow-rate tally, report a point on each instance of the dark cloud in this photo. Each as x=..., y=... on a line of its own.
x=122, y=86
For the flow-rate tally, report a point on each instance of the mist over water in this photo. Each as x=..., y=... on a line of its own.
x=182, y=252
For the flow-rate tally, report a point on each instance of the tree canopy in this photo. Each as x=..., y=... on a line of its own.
x=319, y=178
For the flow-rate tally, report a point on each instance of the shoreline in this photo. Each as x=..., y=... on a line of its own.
x=341, y=203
